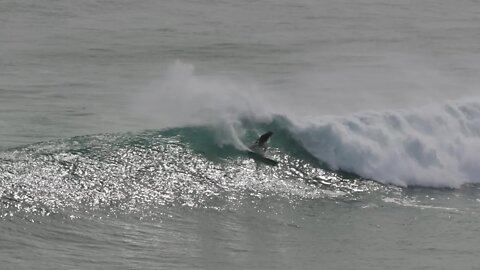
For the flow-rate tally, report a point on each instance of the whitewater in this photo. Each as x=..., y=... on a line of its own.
x=124, y=128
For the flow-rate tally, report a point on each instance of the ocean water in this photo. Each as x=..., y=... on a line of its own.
x=124, y=125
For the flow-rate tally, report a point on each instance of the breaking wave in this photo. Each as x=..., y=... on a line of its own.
x=430, y=147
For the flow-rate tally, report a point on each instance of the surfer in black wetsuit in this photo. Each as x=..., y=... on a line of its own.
x=260, y=145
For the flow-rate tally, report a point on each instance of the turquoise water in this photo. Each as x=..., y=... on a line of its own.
x=124, y=125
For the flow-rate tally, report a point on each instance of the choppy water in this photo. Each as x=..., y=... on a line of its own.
x=123, y=127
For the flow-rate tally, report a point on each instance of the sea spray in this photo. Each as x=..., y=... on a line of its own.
x=184, y=98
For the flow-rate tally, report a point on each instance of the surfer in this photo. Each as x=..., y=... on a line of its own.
x=260, y=145
x=257, y=150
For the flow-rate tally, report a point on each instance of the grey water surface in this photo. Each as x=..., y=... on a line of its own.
x=81, y=189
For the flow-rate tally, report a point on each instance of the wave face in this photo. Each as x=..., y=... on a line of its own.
x=430, y=147
x=137, y=173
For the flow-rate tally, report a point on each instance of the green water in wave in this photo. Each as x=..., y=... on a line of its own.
x=207, y=140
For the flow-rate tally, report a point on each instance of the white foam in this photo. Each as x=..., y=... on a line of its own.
x=435, y=146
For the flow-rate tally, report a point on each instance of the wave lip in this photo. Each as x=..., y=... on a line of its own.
x=431, y=147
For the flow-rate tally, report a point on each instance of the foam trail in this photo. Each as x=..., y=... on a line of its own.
x=229, y=133
x=435, y=146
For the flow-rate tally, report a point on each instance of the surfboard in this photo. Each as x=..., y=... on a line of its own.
x=260, y=158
